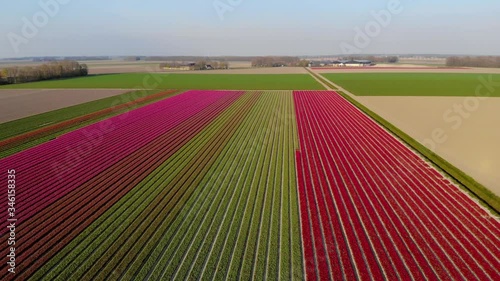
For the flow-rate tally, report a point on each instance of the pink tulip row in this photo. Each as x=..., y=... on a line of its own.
x=373, y=209
x=50, y=171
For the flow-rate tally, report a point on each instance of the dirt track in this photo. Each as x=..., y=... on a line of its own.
x=16, y=104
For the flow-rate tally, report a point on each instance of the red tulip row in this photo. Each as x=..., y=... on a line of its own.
x=372, y=208
x=51, y=226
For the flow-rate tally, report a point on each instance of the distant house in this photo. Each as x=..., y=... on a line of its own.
x=320, y=63
x=314, y=64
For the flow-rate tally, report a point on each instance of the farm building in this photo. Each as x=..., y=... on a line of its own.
x=341, y=63
x=353, y=63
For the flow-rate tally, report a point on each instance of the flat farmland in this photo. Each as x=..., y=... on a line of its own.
x=20, y=134
x=241, y=185
x=117, y=66
x=180, y=81
x=223, y=159
x=417, y=84
x=469, y=143
x=373, y=209
x=252, y=70
x=16, y=104
x=445, y=112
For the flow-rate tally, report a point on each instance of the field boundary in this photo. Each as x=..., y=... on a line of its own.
x=470, y=184
x=200, y=81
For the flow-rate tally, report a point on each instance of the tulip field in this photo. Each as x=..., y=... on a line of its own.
x=371, y=208
x=242, y=185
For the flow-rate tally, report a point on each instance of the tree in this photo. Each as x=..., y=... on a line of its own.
x=303, y=63
x=487, y=61
x=3, y=77
x=392, y=59
x=12, y=73
x=275, y=61
x=84, y=70
x=200, y=65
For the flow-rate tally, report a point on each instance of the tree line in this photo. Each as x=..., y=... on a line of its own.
x=198, y=65
x=277, y=61
x=47, y=71
x=197, y=58
x=483, y=61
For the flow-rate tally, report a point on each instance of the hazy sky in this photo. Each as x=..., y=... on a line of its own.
x=247, y=27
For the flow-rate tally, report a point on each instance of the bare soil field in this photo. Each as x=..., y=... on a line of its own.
x=123, y=69
x=422, y=61
x=16, y=104
x=109, y=67
x=405, y=69
x=468, y=139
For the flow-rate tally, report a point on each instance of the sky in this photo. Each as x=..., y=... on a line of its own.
x=247, y=27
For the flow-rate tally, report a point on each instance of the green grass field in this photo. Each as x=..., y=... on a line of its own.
x=180, y=81
x=417, y=84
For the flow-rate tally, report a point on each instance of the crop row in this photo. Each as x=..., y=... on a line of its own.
x=54, y=226
x=109, y=225
x=155, y=189
x=238, y=215
x=372, y=208
x=62, y=165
